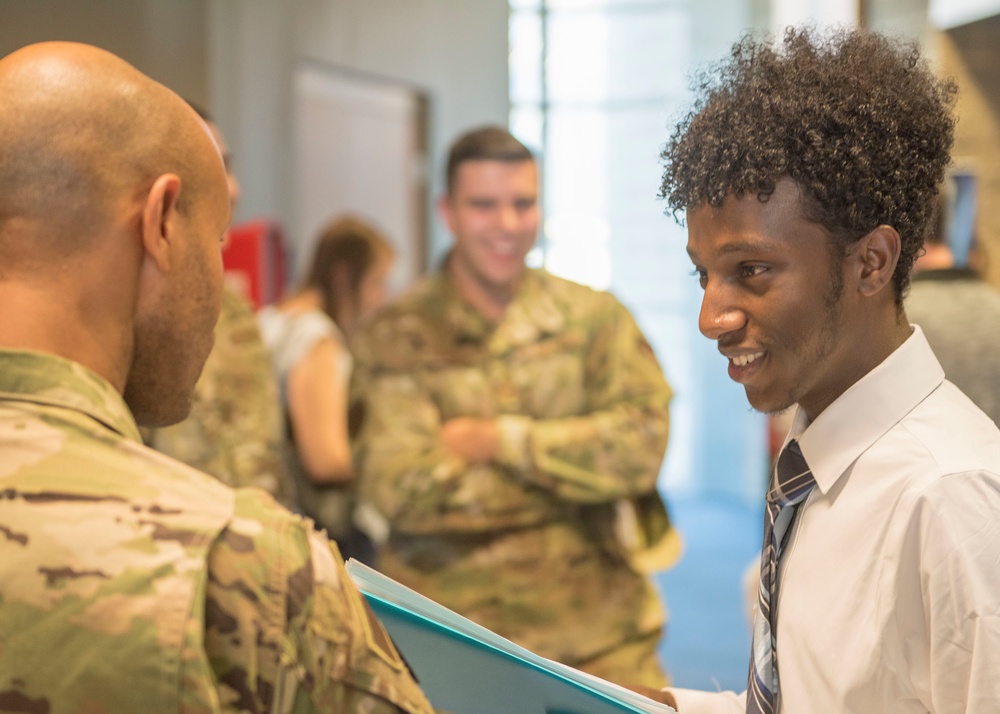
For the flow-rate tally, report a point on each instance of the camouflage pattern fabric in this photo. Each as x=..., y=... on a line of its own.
x=130, y=582
x=526, y=546
x=234, y=429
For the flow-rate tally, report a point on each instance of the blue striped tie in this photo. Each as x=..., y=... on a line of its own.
x=791, y=484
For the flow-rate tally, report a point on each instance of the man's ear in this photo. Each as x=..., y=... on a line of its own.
x=877, y=253
x=160, y=215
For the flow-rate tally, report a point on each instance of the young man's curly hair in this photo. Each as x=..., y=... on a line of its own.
x=857, y=120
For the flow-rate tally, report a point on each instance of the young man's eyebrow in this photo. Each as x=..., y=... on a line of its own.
x=738, y=246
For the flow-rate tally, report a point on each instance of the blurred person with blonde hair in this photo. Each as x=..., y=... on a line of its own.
x=308, y=335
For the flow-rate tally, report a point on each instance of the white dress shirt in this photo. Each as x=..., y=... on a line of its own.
x=889, y=591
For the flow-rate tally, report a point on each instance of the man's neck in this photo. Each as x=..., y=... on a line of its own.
x=33, y=320
x=488, y=299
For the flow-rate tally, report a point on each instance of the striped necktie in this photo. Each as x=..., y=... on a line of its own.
x=791, y=484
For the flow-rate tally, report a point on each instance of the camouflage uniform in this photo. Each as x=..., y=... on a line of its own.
x=234, y=429
x=526, y=546
x=132, y=583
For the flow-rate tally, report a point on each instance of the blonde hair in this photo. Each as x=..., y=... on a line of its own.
x=353, y=243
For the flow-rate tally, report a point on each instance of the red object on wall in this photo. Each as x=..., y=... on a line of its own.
x=255, y=261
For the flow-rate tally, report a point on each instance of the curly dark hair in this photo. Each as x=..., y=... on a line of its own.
x=856, y=119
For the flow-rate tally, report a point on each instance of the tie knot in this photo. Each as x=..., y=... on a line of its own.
x=792, y=477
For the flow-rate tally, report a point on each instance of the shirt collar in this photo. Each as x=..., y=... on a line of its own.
x=53, y=381
x=867, y=410
x=533, y=313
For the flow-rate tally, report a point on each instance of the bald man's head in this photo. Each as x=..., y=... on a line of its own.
x=113, y=201
x=82, y=131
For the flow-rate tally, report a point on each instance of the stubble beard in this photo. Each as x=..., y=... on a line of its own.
x=167, y=359
x=826, y=337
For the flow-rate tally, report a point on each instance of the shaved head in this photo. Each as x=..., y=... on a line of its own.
x=113, y=201
x=80, y=131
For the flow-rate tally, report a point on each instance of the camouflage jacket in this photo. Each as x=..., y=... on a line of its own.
x=132, y=583
x=527, y=546
x=234, y=429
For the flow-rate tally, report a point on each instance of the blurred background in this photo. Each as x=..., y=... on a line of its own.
x=333, y=106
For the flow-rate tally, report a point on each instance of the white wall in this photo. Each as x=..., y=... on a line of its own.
x=455, y=52
x=907, y=19
x=167, y=41
x=251, y=57
x=948, y=14
x=819, y=12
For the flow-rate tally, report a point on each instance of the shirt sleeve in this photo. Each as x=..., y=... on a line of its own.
x=612, y=450
x=286, y=628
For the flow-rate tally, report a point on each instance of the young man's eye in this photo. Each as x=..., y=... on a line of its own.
x=701, y=275
x=750, y=271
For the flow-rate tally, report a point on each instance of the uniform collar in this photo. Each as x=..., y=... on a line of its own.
x=45, y=379
x=533, y=313
x=867, y=410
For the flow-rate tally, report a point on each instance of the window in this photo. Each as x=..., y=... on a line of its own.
x=595, y=87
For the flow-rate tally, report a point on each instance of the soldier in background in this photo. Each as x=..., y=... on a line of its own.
x=130, y=582
x=959, y=313
x=513, y=429
x=234, y=429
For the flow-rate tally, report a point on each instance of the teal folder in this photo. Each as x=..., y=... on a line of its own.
x=465, y=668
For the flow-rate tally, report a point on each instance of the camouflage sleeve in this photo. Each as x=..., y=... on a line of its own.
x=613, y=451
x=545, y=466
x=286, y=630
x=234, y=429
x=403, y=466
x=420, y=486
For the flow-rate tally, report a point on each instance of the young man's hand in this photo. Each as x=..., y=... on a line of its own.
x=657, y=695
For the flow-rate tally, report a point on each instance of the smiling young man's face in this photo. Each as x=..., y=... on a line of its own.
x=775, y=300
x=493, y=214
